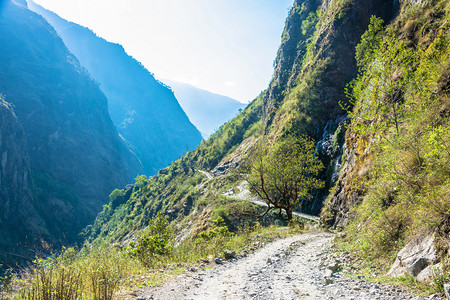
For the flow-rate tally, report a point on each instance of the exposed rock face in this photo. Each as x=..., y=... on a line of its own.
x=145, y=111
x=313, y=67
x=415, y=258
x=334, y=57
x=19, y=220
x=343, y=197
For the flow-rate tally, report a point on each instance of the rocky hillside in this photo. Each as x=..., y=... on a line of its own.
x=206, y=110
x=19, y=218
x=319, y=38
x=369, y=81
x=379, y=68
x=69, y=154
x=145, y=111
x=394, y=182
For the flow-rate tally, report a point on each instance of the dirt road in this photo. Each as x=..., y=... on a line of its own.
x=298, y=267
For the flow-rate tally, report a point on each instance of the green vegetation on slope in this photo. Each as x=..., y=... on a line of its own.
x=399, y=109
x=400, y=126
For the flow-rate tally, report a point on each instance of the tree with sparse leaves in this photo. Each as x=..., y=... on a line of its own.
x=285, y=174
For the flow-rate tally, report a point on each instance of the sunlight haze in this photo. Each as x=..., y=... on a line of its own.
x=226, y=47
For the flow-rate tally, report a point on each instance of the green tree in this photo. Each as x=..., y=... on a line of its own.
x=140, y=181
x=156, y=241
x=370, y=42
x=285, y=174
x=378, y=92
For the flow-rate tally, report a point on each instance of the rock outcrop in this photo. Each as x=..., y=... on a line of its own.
x=418, y=258
x=19, y=219
x=328, y=50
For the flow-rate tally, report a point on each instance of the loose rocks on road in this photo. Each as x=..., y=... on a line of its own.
x=298, y=267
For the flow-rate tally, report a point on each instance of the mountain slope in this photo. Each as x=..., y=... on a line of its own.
x=75, y=153
x=145, y=112
x=395, y=182
x=206, y=110
x=19, y=218
x=391, y=135
x=289, y=107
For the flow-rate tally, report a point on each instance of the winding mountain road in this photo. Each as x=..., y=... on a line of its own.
x=244, y=195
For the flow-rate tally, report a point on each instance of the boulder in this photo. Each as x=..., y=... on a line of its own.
x=415, y=257
x=427, y=274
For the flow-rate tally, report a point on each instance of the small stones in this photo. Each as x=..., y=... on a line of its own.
x=328, y=273
x=334, y=265
x=447, y=290
x=228, y=254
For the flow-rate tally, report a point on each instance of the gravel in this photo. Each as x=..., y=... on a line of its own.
x=298, y=267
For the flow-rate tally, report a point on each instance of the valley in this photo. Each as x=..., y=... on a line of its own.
x=333, y=183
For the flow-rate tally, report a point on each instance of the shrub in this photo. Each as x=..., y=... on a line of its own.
x=156, y=241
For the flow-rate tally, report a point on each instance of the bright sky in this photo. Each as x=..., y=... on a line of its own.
x=224, y=46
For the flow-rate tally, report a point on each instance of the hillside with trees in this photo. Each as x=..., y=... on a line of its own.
x=353, y=128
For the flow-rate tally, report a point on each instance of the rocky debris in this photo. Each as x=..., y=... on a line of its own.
x=297, y=267
x=232, y=161
x=334, y=265
x=218, y=261
x=447, y=290
x=415, y=257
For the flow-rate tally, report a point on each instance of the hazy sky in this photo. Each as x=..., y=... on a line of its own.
x=224, y=46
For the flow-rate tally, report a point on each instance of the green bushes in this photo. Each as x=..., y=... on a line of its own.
x=156, y=241
x=52, y=283
x=87, y=274
x=401, y=106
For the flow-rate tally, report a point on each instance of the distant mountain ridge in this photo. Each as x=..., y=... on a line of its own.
x=61, y=155
x=145, y=112
x=208, y=111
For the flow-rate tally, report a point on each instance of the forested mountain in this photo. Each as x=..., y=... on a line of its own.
x=145, y=111
x=206, y=110
x=62, y=155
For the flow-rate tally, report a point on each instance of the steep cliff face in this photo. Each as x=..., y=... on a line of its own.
x=64, y=114
x=394, y=183
x=19, y=218
x=316, y=60
x=75, y=154
x=145, y=111
x=358, y=155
